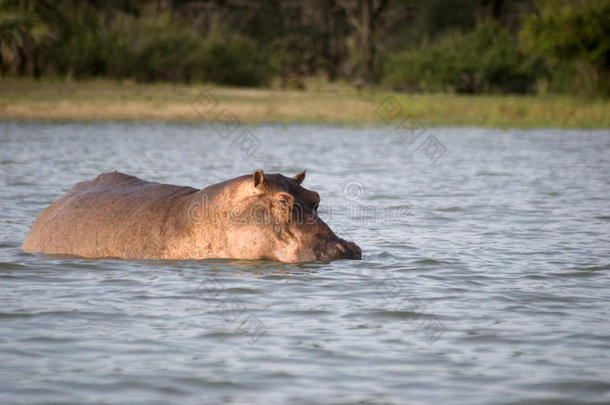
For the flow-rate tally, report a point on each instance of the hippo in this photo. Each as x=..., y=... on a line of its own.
x=255, y=216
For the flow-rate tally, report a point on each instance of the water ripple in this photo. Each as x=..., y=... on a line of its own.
x=492, y=290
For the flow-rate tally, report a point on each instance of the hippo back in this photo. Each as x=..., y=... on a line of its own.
x=114, y=215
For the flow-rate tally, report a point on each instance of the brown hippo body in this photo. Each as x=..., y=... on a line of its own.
x=259, y=216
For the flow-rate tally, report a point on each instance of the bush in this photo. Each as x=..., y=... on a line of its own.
x=487, y=59
x=159, y=49
x=235, y=62
x=162, y=51
x=574, y=37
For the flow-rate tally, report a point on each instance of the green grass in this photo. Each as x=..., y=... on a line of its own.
x=27, y=99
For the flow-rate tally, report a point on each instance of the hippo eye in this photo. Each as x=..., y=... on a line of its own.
x=315, y=207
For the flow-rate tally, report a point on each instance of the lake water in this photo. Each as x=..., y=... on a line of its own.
x=485, y=274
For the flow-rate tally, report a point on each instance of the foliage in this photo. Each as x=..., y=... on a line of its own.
x=161, y=49
x=238, y=62
x=487, y=59
x=470, y=46
x=574, y=36
x=20, y=33
x=86, y=43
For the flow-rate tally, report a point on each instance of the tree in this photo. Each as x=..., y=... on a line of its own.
x=20, y=32
x=574, y=33
x=364, y=15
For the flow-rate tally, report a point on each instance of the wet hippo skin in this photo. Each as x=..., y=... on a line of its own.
x=255, y=216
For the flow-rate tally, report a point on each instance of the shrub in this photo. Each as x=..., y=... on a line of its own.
x=161, y=49
x=487, y=59
x=574, y=37
x=237, y=62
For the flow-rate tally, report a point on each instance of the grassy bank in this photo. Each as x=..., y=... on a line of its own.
x=321, y=103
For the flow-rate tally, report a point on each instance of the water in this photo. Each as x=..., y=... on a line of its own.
x=484, y=279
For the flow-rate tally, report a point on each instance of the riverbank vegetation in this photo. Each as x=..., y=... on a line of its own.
x=525, y=63
x=322, y=102
x=454, y=46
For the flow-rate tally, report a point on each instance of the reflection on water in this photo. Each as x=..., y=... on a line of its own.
x=484, y=277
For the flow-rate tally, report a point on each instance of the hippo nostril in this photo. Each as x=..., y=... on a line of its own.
x=353, y=251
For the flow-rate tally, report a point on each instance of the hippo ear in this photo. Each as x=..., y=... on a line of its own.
x=258, y=178
x=299, y=177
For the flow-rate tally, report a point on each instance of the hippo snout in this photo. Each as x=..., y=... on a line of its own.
x=349, y=250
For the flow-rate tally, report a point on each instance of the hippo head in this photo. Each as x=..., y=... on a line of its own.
x=275, y=218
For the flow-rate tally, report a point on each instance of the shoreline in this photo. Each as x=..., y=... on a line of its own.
x=333, y=104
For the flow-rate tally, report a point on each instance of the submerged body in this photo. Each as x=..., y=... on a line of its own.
x=249, y=217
